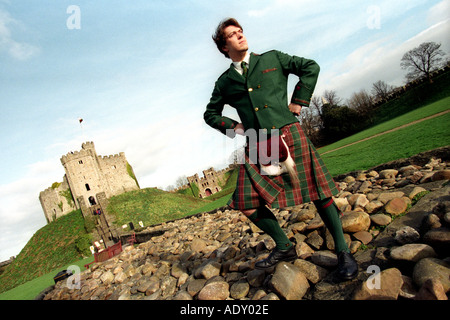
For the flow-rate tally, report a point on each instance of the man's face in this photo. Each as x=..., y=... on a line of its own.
x=235, y=40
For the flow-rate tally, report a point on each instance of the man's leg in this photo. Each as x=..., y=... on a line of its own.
x=330, y=216
x=328, y=211
x=264, y=219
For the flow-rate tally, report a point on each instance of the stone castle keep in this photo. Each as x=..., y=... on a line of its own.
x=88, y=182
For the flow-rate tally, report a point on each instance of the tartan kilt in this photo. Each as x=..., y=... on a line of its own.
x=314, y=181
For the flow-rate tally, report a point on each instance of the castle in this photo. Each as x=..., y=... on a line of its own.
x=209, y=183
x=88, y=182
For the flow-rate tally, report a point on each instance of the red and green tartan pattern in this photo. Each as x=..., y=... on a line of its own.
x=314, y=181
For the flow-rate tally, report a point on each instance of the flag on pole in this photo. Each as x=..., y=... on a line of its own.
x=81, y=120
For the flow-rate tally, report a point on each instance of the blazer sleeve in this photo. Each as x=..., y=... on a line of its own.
x=307, y=70
x=213, y=114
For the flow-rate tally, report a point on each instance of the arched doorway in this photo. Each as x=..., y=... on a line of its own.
x=92, y=201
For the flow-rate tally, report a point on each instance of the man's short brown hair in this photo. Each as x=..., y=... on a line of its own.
x=219, y=36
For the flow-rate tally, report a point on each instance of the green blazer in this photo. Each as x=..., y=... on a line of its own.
x=261, y=99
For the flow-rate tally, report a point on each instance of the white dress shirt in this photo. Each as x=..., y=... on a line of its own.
x=237, y=64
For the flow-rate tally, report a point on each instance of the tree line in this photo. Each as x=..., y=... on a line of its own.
x=329, y=118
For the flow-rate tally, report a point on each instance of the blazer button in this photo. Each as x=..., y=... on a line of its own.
x=250, y=89
x=266, y=106
x=256, y=109
x=273, y=127
x=259, y=86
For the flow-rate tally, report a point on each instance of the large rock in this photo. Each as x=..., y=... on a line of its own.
x=313, y=272
x=432, y=268
x=440, y=239
x=413, y=252
x=381, y=219
x=432, y=289
x=388, y=174
x=441, y=175
x=387, y=288
x=355, y=221
x=396, y=206
x=289, y=282
x=385, y=197
x=218, y=290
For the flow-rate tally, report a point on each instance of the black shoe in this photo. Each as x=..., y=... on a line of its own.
x=276, y=256
x=347, y=267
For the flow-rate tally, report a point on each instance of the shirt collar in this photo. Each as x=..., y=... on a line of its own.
x=237, y=64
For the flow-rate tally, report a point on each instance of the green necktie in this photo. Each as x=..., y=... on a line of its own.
x=244, y=68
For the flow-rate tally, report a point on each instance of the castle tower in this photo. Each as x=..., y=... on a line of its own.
x=87, y=176
x=84, y=175
x=208, y=184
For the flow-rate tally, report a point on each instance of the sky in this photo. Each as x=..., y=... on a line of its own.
x=140, y=74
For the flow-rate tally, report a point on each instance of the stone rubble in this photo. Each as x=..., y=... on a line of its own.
x=211, y=256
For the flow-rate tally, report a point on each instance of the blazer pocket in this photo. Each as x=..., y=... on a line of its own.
x=269, y=70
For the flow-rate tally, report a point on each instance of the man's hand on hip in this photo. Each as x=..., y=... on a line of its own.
x=295, y=108
x=239, y=129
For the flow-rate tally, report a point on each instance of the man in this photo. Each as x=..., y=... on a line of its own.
x=256, y=85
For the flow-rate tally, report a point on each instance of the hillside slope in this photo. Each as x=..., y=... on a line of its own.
x=51, y=247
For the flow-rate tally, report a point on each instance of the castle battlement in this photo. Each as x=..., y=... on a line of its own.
x=88, y=145
x=113, y=156
x=77, y=155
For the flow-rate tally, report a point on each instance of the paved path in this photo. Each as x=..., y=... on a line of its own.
x=389, y=131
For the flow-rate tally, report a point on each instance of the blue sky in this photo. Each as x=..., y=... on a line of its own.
x=140, y=74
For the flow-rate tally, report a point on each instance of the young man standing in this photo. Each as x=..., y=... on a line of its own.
x=256, y=85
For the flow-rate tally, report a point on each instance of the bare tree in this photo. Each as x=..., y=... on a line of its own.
x=332, y=97
x=381, y=90
x=422, y=61
x=237, y=156
x=362, y=103
x=181, y=181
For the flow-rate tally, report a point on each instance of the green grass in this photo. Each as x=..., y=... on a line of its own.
x=30, y=289
x=420, y=113
x=153, y=206
x=403, y=143
x=49, y=248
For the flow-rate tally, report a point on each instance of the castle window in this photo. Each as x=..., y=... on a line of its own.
x=87, y=187
x=80, y=162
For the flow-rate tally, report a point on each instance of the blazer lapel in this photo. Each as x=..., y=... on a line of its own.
x=254, y=59
x=234, y=75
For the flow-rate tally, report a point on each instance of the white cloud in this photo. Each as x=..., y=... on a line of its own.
x=16, y=49
x=439, y=12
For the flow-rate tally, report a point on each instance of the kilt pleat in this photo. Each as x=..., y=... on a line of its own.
x=314, y=180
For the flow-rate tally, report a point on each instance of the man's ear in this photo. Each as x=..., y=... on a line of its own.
x=225, y=48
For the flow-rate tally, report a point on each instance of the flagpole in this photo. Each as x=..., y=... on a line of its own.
x=81, y=125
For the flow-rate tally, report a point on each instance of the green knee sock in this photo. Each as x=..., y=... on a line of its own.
x=264, y=219
x=330, y=216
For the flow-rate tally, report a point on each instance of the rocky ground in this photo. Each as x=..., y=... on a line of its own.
x=396, y=222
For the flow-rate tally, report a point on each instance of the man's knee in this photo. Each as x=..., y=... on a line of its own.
x=248, y=212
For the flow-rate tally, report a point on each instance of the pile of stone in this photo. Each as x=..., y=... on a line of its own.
x=396, y=222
